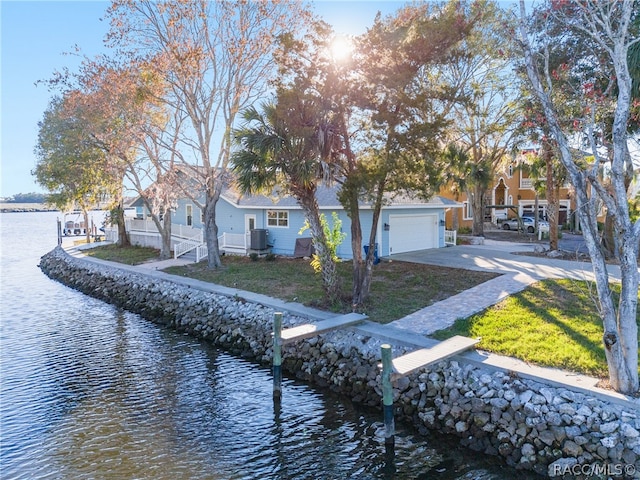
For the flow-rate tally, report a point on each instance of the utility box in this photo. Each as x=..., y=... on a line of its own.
x=259, y=239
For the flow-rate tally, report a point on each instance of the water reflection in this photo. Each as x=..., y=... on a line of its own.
x=91, y=392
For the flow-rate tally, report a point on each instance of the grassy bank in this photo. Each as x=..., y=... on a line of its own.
x=553, y=323
x=130, y=256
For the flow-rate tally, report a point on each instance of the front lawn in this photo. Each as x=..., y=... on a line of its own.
x=552, y=323
x=133, y=255
x=397, y=289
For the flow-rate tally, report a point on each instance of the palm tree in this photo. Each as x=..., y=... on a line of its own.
x=455, y=175
x=281, y=148
x=469, y=170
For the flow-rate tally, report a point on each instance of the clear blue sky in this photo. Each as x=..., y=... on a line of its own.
x=36, y=37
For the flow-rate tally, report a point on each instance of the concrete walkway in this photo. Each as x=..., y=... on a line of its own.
x=516, y=273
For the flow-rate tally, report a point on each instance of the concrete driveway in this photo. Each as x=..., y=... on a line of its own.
x=516, y=273
x=505, y=258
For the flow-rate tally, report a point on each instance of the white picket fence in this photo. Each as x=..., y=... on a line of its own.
x=147, y=226
x=450, y=237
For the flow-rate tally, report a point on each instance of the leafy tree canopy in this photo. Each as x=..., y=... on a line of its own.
x=31, y=197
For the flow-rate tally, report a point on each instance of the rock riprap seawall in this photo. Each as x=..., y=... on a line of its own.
x=554, y=431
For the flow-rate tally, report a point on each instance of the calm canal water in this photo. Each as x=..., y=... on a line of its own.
x=88, y=391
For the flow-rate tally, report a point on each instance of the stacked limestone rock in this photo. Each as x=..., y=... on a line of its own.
x=528, y=423
x=531, y=425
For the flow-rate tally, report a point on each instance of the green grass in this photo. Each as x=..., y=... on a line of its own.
x=130, y=255
x=397, y=289
x=552, y=323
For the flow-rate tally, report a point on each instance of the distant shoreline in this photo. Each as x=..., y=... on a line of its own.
x=7, y=207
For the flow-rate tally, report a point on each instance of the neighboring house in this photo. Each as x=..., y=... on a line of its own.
x=405, y=224
x=512, y=187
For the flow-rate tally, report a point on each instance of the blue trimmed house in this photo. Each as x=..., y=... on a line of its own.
x=405, y=224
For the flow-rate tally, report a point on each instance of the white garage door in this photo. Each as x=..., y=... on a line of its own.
x=412, y=232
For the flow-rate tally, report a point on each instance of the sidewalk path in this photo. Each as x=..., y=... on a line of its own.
x=517, y=272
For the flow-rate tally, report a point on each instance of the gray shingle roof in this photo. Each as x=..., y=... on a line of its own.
x=327, y=198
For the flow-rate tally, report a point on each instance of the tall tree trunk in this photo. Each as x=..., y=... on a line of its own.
x=349, y=199
x=455, y=215
x=359, y=266
x=608, y=239
x=123, y=235
x=608, y=242
x=211, y=227
x=165, y=234
x=628, y=308
x=620, y=329
x=329, y=272
x=163, y=226
x=553, y=215
x=87, y=226
x=367, y=271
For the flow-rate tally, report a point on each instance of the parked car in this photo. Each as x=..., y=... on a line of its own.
x=527, y=222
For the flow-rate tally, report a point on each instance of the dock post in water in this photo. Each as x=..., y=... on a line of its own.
x=277, y=354
x=59, y=231
x=387, y=394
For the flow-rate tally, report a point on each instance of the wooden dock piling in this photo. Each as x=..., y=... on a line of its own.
x=387, y=394
x=392, y=369
x=277, y=354
x=308, y=330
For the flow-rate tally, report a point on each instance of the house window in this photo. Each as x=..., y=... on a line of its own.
x=510, y=171
x=277, y=218
x=467, y=211
x=189, y=215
